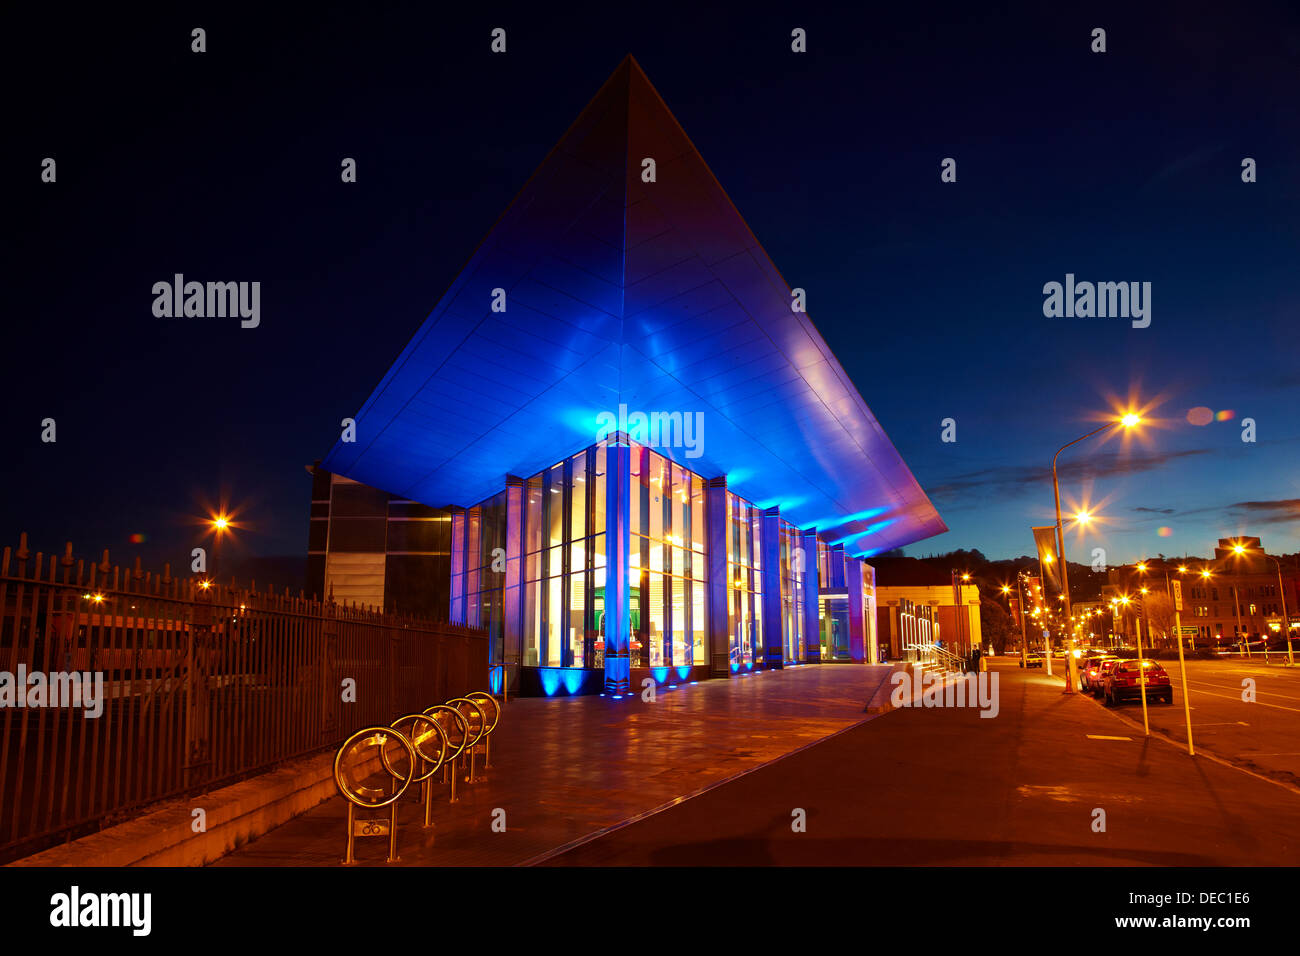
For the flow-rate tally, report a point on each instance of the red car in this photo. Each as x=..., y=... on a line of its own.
x=1126, y=678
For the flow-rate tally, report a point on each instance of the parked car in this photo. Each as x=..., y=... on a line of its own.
x=1097, y=685
x=1032, y=660
x=1090, y=670
x=1126, y=678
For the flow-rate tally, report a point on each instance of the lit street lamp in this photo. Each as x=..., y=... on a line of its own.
x=1240, y=549
x=1127, y=421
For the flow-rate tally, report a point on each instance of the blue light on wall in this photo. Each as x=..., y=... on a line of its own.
x=660, y=674
x=553, y=678
x=684, y=671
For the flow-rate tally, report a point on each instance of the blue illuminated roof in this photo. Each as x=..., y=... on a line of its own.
x=652, y=295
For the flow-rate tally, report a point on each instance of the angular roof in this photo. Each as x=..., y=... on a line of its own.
x=651, y=295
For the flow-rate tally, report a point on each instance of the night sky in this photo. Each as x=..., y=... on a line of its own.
x=1122, y=166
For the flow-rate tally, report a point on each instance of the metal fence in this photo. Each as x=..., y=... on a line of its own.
x=199, y=685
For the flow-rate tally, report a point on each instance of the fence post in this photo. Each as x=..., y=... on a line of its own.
x=196, y=687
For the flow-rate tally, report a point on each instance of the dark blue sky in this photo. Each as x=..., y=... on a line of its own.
x=1117, y=166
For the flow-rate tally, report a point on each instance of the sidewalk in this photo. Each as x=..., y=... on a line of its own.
x=566, y=768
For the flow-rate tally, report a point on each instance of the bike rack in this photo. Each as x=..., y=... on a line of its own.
x=477, y=721
x=430, y=742
x=372, y=798
x=456, y=730
x=492, y=713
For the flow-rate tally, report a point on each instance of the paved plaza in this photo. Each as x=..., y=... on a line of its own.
x=564, y=769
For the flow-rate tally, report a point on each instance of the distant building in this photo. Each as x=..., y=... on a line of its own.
x=915, y=603
x=1234, y=596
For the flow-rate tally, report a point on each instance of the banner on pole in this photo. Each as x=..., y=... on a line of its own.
x=1045, y=541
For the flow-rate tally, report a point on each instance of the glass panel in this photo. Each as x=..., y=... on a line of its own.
x=577, y=597
x=552, y=629
x=681, y=623
x=578, y=519
x=658, y=625
x=532, y=624
x=533, y=515
x=555, y=505
x=598, y=506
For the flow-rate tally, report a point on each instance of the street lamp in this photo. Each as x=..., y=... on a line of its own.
x=1129, y=420
x=1240, y=549
x=220, y=526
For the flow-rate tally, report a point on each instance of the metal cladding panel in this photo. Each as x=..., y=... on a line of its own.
x=654, y=295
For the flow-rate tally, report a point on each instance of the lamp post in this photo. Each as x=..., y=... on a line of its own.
x=1127, y=421
x=1281, y=590
x=1241, y=631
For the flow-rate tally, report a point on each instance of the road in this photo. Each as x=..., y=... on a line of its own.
x=1262, y=734
x=943, y=786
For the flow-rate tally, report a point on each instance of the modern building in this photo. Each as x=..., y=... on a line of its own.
x=618, y=442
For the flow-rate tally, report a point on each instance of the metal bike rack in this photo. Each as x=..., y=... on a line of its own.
x=492, y=716
x=456, y=731
x=476, y=718
x=351, y=776
x=430, y=742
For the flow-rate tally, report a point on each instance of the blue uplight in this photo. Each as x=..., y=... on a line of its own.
x=570, y=678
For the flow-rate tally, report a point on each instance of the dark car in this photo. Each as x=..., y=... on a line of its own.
x=1126, y=678
x=1090, y=671
x=1097, y=683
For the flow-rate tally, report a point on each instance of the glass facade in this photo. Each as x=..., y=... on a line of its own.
x=667, y=562
x=564, y=563
x=561, y=544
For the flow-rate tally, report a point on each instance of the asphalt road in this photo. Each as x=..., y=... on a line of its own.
x=943, y=786
x=1262, y=734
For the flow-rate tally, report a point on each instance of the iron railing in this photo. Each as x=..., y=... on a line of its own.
x=201, y=685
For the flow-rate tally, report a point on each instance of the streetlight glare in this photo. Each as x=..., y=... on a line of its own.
x=221, y=522
x=1129, y=420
